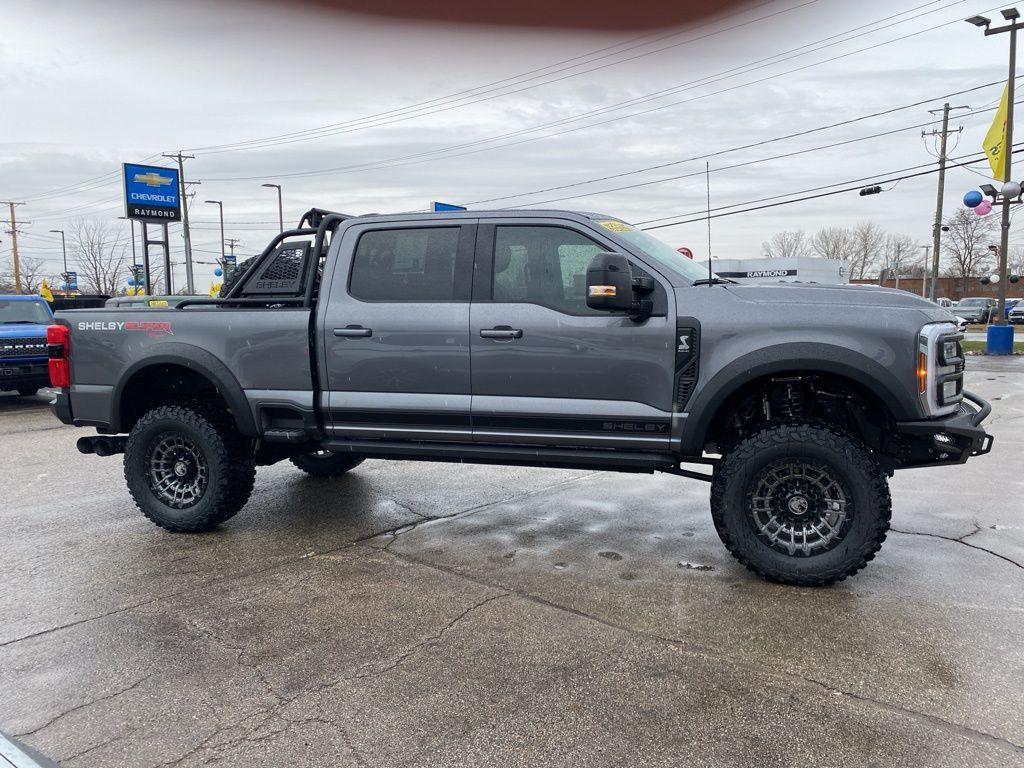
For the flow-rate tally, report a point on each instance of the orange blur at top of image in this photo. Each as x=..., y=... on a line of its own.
x=565, y=14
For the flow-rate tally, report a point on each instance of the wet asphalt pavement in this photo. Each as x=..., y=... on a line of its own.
x=430, y=614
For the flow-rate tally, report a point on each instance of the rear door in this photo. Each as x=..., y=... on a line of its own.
x=548, y=370
x=396, y=332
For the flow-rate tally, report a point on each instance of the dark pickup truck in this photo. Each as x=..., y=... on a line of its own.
x=545, y=338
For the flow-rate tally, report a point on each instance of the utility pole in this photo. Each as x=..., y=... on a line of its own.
x=924, y=271
x=14, y=244
x=184, y=216
x=937, y=226
x=232, y=242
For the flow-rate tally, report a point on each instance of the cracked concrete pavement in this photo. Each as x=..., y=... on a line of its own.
x=418, y=614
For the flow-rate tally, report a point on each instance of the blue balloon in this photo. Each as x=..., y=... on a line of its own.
x=131, y=282
x=973, y=198
x=141, y=281
x=218, y=271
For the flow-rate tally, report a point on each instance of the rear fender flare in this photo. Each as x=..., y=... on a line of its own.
x=203, y=363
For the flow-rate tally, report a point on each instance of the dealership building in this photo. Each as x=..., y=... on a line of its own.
x=796, y=269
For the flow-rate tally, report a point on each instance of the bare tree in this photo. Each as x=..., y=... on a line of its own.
x=833, y=243
x=31, y=273
x=966, y=244
x=100, y=250
x=1015, y=261
x=868, y=239
x=898, y=252
x=786, y=245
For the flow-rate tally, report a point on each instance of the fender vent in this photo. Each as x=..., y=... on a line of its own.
x=687, y=360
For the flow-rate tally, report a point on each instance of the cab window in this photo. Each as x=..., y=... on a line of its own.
x=406, y=265
x=543, y=265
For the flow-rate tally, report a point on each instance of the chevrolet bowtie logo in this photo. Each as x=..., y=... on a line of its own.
x=152, y=179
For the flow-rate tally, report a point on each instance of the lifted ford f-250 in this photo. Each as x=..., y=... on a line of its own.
x=546, y=338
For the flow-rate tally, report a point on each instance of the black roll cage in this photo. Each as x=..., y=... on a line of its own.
x=315, y=221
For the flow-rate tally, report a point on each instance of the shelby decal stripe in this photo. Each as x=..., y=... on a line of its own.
x=385, y=419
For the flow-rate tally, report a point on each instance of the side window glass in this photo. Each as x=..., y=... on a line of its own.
x=543, y=265
x=405, y=265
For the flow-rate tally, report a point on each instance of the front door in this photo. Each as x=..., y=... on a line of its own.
x=396, y=332
x=548, y=370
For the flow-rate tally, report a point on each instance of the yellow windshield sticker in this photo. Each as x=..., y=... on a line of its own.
x=158, y=302
x=615, y=226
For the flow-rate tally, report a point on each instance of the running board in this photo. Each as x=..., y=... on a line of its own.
x=532, y=456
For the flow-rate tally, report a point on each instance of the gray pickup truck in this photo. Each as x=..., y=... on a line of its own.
x=542, y=338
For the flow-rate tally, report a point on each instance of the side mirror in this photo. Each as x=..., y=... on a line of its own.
x=610, y=283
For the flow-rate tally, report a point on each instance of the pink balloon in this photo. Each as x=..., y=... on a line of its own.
x=984, y=208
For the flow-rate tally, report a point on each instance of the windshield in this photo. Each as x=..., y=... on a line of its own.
x=24, y=312
x=661, y=252
x=972, y=302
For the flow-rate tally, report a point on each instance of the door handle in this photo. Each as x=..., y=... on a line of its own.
x=353, y=331
x=501, y=332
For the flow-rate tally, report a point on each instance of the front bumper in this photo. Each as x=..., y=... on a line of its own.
x=17, y=374
x=949, y=439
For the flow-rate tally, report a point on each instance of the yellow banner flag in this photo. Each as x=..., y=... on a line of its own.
x=994, y=143
x=45, y=292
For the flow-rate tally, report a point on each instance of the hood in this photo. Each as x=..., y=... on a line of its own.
x=22, y=331
x=832, y=295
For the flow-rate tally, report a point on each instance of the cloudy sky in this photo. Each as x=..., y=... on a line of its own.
x=370, y=115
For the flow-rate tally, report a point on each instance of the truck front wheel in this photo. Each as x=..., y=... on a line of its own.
x=801, y=504
x=187, y=470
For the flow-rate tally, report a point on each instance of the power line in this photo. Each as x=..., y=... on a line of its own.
x=751, y=145
x=376, y=120
x=450, y=151
x=700, y=216
x=744, y=164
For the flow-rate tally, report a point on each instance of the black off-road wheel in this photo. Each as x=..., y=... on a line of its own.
x=187, y=469
x=801, y=504
x=326, y=463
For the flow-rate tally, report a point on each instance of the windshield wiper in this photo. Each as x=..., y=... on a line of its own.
x=714, y=281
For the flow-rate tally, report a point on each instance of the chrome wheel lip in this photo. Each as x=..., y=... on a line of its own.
x=177, y=470
x=799, y=507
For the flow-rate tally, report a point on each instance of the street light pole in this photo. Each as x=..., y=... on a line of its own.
x=64, y=248
x=220, y=205
x=280, y=206
x=1012, y=15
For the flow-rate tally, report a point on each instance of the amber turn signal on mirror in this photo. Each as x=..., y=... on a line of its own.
x=601, y=290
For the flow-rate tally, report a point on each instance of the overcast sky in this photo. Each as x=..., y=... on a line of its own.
x=502, y=113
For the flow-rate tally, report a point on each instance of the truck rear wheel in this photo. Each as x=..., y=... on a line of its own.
x=187, y=470
x=801, y=504
x=326, y=463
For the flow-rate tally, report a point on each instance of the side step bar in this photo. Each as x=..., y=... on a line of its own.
x=561, y=458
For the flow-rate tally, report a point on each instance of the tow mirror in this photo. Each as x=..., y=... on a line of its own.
x=610, y=283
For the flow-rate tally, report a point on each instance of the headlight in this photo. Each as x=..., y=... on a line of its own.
x=940, y=368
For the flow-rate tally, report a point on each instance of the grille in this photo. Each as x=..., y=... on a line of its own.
x=23, y=347
x=287, y=265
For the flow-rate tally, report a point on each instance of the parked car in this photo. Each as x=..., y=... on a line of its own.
x=538, y=338
x=1016, y=315
x=944, y=302
x=976, y=309
x=1010, y=305
x=23, y=359
x=144, y=302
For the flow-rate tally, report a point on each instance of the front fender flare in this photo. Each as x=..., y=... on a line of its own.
x=809, y=357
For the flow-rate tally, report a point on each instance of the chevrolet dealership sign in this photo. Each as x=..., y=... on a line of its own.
x=151, y=193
